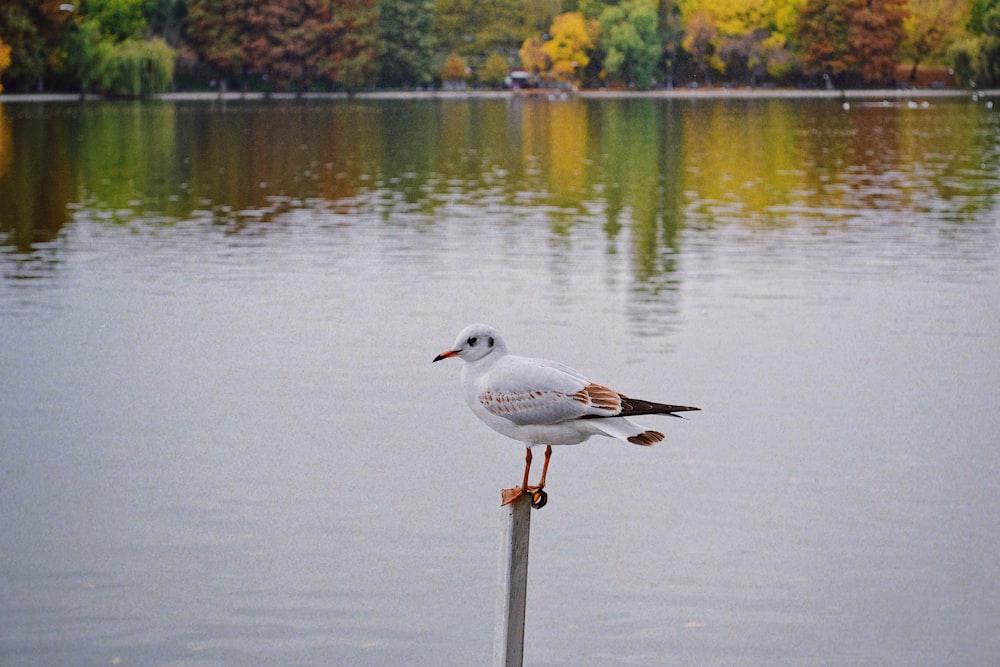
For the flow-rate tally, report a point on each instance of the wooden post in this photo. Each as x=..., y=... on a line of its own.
x=508, y=634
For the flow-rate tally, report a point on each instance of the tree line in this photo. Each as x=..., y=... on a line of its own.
x=132, y=47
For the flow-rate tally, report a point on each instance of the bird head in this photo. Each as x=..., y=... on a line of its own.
x=475, y=342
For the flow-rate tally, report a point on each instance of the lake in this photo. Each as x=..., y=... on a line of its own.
x=222, y=440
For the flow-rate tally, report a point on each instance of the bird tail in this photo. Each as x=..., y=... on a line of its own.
x=646, y=438
x=623, y=429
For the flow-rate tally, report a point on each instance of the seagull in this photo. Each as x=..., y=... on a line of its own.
x=541, y=402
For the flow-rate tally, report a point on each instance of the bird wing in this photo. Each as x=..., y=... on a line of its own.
x=636, y=406
x=535, y=391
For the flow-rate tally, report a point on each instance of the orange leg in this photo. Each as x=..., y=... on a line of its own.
x=545, y=470
x=510, y=495
x=527, y=466
x=545, y=466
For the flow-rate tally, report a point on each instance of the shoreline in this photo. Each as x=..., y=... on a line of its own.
x=669, y=94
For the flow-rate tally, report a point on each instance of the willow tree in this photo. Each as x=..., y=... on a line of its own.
x=109, y=51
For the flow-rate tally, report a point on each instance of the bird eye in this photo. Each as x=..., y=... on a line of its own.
x=491, y=341
x=472, y=341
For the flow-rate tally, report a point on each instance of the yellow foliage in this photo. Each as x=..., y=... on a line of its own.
x=533, y=57
x=455, y=68
x=733, y=18
x=567, y=50
x=931, y=26
x=4, y=60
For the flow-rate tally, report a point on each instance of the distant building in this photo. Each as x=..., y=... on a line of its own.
x=518, y=79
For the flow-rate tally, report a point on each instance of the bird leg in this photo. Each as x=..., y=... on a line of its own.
x=510, y=495
x=545, y=470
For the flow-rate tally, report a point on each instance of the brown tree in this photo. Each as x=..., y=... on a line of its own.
x=823, y=30
x=876, y=34
x=290, y=43
x=846, y=38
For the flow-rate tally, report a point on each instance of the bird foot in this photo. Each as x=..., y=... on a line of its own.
x=510, y=495
x=538, y=496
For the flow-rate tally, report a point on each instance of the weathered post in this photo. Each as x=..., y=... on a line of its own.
x=508, y=634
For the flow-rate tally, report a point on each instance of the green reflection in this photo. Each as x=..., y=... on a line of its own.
x=651, y=167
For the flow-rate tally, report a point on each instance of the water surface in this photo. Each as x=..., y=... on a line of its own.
x=222, y=441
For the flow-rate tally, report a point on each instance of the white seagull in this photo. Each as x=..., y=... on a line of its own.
x=541, y=402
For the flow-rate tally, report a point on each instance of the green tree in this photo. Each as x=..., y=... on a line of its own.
x=109, y=52
x=134, y=67
x=980, y=55
x=494, y=71
x=670, y=24
x=474, y=29
x=631, y=42
x=406, y=42
x=118, y=19
x=166, y=19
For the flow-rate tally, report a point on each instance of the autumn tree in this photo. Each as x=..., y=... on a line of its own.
x=455, y=70
x=475, y=28
x=824, y=31
x=533, y=56
x=34, y=30
x=699, y=42
x=216, y=29
x=876, y=36
x=630, y=37
x=289, y=43
x=406, y=42
x=744, y=38
x=852, y=38
x=930, y=27
x=4, y=61
x=567, y=50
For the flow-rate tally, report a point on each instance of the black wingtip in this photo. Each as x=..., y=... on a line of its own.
x=633, y=406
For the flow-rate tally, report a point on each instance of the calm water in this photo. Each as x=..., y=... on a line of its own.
x=222, y=441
